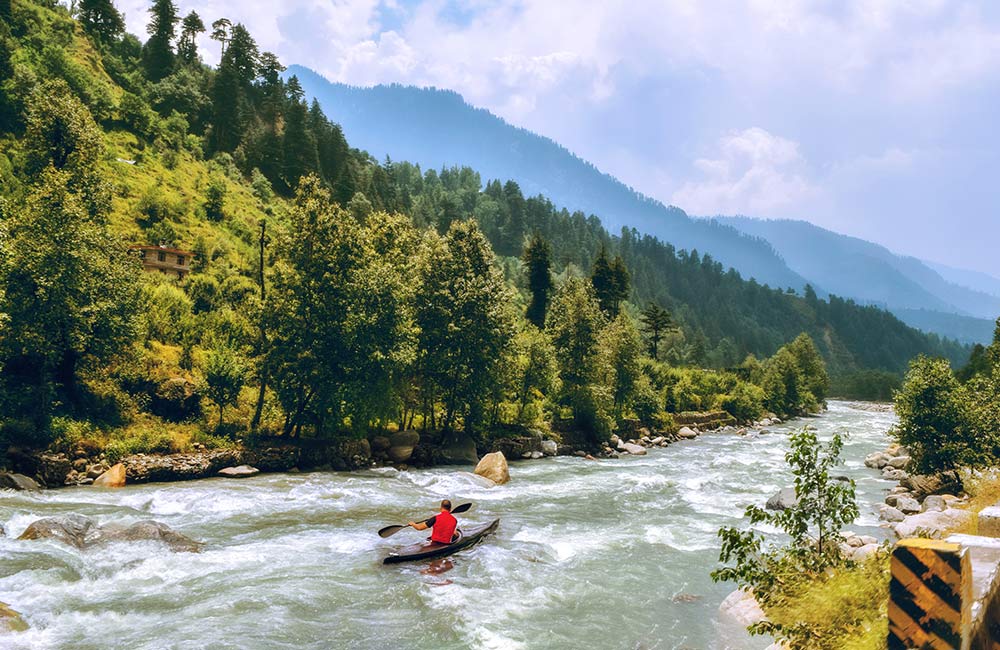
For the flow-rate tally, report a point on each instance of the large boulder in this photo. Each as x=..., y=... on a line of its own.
x=891, y=514
x=10, y=481
x=550, y=447
x=933, y=523
x=113, y=478
x=140, y=468
x=784, y=499
x=877, y=460
x=459, y=449
x=687, y=433
x=241, y=471
x=899, y=462
x=11, y=621
x=494, y=467
x=401, y=445
x=54, y=468
x=635, y=450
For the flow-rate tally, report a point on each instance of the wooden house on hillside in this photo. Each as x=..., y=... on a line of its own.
x=166, y=260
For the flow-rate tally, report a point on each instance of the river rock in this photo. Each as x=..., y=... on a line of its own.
x=535, y=455
x=240, y=471
x=113, y=478
x=10, y=620
x=401, y=445
x=921, y=485
x=74, y=530
x=3, y=531
x=151, y=531
x=82, y=532
x=141, y=468
x=743, y=607
x=933, y=502
x=862, y=553
x=899, y=462
x=783, y=500
x=459, y=449
x=11, y=481
x=380, y=444
x=933, y=524
x=891, y=474
x=907, y=505
x=95, y=470
x=550, y=448
x=877, y=460
x=890, y=514
x=687, y=433
x=494, y=467
x=635, y=450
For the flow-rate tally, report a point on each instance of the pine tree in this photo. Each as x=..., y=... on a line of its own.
x=158, y=53
x=101, y=20
x=611, y=282
x=538, y=258
x=187, y=48
x=5, y=12
x=656, y=321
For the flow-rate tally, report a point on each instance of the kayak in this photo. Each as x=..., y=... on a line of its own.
x=425, y=550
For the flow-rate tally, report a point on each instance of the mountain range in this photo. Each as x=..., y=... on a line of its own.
x=436, y=128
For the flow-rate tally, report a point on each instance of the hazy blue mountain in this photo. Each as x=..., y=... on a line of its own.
x=437, y=128
x=976, y=280
x=855, y=268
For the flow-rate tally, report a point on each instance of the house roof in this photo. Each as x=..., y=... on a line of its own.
x=165, y=249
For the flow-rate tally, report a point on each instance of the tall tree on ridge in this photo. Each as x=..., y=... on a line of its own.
x=158, y=53
x=611, y=282
x=101, y=20
x=538, y=258
x=187, y=48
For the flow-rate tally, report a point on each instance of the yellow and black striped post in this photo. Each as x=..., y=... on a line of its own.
x=929, y=595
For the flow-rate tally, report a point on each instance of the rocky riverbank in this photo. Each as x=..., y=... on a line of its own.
x=919, y=505
x=402, y=450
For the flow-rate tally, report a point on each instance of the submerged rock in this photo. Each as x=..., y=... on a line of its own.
x=74, y=530
x=82, y=532
x=12, y=481
x=241, y=471
x=113, y=478
x=11, y=620
x=494, y=467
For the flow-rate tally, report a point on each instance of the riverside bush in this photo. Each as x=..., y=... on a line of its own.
x=813, y=525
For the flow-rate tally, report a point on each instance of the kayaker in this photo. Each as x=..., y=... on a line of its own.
x=443, y=524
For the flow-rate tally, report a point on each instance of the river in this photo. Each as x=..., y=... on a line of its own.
x=589, y=554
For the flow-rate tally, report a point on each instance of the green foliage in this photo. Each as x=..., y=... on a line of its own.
x=813, y=526
x=462, y=310
x=623, y=350
x=878, y=385
x=215, y=200
x=611, y=282
x=537, y=373
x=187, y=48
x=225, y=373
x=944, y=424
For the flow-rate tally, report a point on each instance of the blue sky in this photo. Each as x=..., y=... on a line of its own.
x=876, y=118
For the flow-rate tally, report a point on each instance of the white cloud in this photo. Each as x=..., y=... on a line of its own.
x=753, y=172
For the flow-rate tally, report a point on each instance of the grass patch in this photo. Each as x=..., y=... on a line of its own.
x=843, y=610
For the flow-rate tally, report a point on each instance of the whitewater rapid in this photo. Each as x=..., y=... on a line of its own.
x=589, y=554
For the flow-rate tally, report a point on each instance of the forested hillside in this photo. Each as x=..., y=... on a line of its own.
x=330, y=293
x=436, y=128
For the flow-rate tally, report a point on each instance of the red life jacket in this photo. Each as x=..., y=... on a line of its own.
x=444, y=527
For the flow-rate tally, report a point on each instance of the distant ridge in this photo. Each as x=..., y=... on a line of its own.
x=870, y=273
x=437, y=128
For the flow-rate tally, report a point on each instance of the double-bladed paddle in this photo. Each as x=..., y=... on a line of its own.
x=389, y=531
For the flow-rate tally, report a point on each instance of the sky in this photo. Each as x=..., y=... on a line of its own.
x=874, y=118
